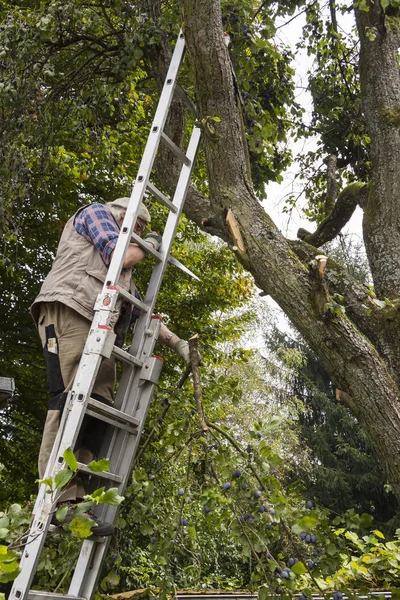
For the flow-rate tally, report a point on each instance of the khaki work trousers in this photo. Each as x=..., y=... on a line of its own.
x=63, y=334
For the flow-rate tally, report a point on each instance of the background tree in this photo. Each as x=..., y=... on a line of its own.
x=343, y=471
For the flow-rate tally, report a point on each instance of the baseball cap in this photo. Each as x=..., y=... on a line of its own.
x=142, y=214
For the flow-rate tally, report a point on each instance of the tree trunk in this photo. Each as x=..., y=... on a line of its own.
x=380, y=89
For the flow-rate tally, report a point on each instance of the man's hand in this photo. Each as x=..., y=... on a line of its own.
x=182, y=349
x=154, y=239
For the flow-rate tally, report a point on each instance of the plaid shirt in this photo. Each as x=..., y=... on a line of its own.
x=98, y=226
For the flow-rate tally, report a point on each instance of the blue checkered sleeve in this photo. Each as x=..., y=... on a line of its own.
x=98, y=226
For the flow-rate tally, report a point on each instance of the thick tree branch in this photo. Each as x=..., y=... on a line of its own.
x=332, y=186
x=377, y=321
x=195, y=361
x=341, y=213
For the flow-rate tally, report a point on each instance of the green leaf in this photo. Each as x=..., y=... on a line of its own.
x=112, y=578
x=6, y=577
x=96, y=495
x=191, y=531
x=5, y=554
x=366, y=520
x=61, y=513
x=99, y=465
x=48, y=481
x=9, y=567
x=70, y=459
x=352, y=536
x=62, y=478
x=81, y=508
x=81, y=527
x=309, y=521
x=378, y=534
x=299, y=568
x=263, y=593
x=331, y=549
x=112, y=497
x=4, y=532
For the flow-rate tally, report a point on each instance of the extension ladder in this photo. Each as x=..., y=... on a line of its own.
x=141, y=370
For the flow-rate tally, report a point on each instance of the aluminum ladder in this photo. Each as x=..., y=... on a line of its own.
x=141, y=370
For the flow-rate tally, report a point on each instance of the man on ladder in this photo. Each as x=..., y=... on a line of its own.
x=63, y=312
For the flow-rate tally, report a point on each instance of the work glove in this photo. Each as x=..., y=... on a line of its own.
x=154, y=239
x=182, y=349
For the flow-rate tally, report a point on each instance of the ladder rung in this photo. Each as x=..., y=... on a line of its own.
x=175, y=149
x=146, y=247
x=125, y=357
x=54, y=530
x=36, y=594
x=160, y=196
x=132, y=299
x=112, y=421
x=112, y=415
x=102, y=474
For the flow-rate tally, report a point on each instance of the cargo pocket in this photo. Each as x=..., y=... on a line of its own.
x=55, y=382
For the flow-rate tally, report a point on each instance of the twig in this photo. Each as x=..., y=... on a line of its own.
x=195, y=361
x=236, y=446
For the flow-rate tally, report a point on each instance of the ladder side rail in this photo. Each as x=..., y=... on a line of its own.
x=147, y=161
x=168, y=237
x=87, y=569
x=38, y=528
